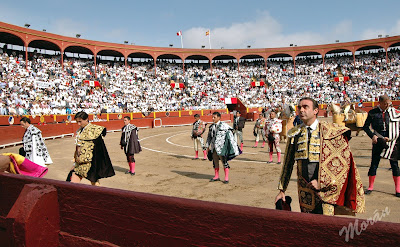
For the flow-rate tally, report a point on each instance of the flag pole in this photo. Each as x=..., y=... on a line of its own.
x=209, y=38
x=181, y=40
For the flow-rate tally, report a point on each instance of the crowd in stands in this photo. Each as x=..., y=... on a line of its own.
x=43, y=86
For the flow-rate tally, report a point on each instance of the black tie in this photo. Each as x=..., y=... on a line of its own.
x=310, y=169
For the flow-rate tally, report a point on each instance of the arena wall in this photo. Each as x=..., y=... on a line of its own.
x=44, y=212
x=56, y=127
x=13, y=133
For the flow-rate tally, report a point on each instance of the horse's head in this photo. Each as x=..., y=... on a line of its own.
x=335, y=109
x=288, y=111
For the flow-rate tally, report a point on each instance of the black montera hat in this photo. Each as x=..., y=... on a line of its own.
x=382, y=143
x=284, y=205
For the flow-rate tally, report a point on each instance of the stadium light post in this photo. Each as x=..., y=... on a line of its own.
x=27, y=25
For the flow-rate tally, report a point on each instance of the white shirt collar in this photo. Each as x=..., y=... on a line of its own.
x=313, y=126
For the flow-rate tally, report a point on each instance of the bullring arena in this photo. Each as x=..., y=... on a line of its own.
x=156, y=207
x=165, y=167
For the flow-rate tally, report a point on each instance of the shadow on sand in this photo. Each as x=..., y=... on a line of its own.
x=194, y=175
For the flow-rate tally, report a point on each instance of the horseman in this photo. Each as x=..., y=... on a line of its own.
x=354, y=123
x=345, y=105
x=286, y=114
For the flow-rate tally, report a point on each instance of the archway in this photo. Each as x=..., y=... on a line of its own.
x=304, y=60
x=198, y=61
x=81, y=57
x=371, y=49
x=171, y=66
x=12, y=44
x=253, y=66
x=43, y=48
x=393, y=50
x=256, y=60
x=338, y=53
x=140, y=59
x=280, y=63
x=110, y=57
x=78, y=52
x=225, y=61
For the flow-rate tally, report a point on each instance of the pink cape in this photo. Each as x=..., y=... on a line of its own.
x=28, y=168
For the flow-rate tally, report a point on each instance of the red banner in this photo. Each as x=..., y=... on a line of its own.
x=229, y=101
x=92, y=83
x=257, y=83
x=341, y=78
x=177, y=85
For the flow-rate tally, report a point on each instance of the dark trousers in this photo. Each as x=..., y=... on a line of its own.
x=376, y=157
x=130, y=158
x=217, y=158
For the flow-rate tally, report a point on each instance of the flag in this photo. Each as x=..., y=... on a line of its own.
x=229, y=101
x=92, y=83
x=257, y=83
x=341, y=78
x=208, y=33
x=176, y=85
x=179, y=33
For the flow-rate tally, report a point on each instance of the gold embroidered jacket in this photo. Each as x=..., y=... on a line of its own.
x=84, y=140
x=338, y=177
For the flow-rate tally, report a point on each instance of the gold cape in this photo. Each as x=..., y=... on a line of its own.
x=85, y=146
x=338, y=177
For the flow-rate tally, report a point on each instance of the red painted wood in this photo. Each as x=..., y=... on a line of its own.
x=90, y=216
x=14, y=133
x=35, y=217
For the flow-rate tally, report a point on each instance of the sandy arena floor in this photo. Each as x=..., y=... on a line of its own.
x=165, y=167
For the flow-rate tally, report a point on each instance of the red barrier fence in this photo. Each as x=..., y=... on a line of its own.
x=44, y=212
x=138, y=115
x=113, y=121
x=14, y=133
x=111, y=116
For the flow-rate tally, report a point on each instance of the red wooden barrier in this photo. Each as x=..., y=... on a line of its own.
x=14, y=133
x=166, y=114
x=96, y=216
x=138, y=115
x=33, y=218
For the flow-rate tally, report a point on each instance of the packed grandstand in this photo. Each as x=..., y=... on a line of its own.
x=42, y=85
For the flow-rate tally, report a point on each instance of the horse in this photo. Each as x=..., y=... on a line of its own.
x=355, y=121
x=287, y=115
